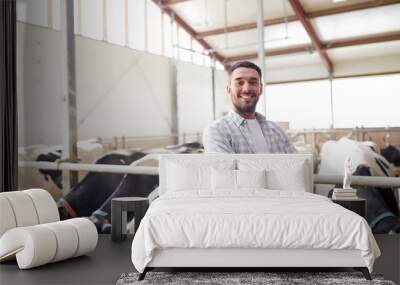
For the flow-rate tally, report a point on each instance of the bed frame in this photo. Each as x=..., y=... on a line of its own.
x=242, y=258
x=256, y=258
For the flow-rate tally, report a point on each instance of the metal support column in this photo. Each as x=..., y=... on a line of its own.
x=174, y=84
x=68, y=82
x=331, y=95
x=213, y=89
x=261, y=50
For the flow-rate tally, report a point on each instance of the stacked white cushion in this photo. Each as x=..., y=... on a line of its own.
x=45, y=206
x=66, y=237
x=7, y=218
x=87, y=235
x=32, y=246
x=41, y=244
x=24, y=211
x=30, y=230
x=26, y=208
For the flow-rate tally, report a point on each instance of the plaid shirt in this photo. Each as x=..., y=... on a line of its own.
x=230, y=134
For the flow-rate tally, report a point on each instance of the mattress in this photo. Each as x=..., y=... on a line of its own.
x=251, y=219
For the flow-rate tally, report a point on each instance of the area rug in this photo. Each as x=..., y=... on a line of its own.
x=269, y=278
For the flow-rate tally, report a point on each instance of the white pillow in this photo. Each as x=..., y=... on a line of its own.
x=251, y=179
x=293, y=180
x=181, y=177
x=185, y=175
x=282, y=174
x=222, y=179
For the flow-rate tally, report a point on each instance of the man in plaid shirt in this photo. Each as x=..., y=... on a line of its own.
x=244, y=130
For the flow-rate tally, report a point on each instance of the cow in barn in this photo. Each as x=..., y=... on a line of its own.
x=51, y=180
x=392, y=154
x=135, y=185
x=372, y=145
x=189, y=147
x=333, y=154
x=132, y=185
x=383, y=212
x=39, y=178
x=95, y=188
x=92, y=196
x=54, y=175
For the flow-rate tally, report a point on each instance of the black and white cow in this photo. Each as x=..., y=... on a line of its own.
x=392, y=154
x=334, y=153
x=132, y=185
x=54, y=175
x=382, y=210
x=189, y=147
x=92, y=196
x=95, y=188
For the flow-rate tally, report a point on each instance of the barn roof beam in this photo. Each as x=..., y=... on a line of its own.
x=181, y=23
x=268, y=53
x=326, y=46
x=299, y=10
x=387, y=37
x=247, y=26
x=171, y=2
x=292, y=18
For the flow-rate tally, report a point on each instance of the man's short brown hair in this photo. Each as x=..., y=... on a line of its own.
x=245, y=64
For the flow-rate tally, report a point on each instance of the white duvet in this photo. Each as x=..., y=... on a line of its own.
x=256, y=218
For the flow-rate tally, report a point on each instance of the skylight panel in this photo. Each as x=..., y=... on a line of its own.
x=359, y=23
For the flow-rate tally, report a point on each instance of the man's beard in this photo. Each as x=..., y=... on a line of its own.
x=246, y=109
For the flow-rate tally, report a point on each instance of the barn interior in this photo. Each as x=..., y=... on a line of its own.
x=102, y=87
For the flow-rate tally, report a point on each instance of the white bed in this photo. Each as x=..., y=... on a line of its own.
x=246, y=210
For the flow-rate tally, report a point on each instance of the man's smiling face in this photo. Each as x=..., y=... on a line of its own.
x=244, y=88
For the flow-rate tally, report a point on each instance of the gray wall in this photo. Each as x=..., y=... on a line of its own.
x=38, y=85
x=120, y=91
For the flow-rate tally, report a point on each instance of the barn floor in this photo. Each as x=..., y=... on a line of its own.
x=110, y=260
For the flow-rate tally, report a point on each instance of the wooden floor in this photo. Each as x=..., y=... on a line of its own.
x=110, y=259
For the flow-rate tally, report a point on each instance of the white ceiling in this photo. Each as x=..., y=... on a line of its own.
x=316, y=5
x=365, y=51
x=293, y=60
x=210, y=14
x=358, y=23
x=276, y=36
x=206, y=15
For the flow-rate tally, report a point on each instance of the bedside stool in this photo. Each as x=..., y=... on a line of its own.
x=357, y=205
x=119, y=210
